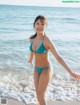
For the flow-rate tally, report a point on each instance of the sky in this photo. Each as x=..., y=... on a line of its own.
x=52, y=3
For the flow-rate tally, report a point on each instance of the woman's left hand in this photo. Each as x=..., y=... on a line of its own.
x=75, y=76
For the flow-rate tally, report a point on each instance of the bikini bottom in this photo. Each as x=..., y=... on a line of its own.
x=39, y=70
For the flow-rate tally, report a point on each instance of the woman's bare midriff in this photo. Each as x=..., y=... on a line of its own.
x=42, y=60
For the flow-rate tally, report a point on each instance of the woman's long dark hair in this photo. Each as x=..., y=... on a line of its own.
x=33, y=36
x=37, y=18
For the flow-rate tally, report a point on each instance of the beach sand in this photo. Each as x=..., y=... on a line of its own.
x=4, y=101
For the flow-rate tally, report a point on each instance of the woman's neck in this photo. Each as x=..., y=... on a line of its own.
x=40, y=35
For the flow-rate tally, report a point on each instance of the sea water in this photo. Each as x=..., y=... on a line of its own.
x=16, y=75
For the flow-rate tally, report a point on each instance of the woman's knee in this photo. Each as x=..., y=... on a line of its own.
x=40, y=94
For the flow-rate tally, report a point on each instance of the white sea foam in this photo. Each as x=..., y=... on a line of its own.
x=22, y=89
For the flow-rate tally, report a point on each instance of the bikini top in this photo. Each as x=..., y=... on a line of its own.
x=40, y=50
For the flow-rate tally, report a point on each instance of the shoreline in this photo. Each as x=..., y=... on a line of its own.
x=7, y=101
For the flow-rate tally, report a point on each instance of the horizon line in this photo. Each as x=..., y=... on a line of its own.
x=39, y=6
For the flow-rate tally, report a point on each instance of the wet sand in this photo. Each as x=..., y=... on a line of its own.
x=4, y=101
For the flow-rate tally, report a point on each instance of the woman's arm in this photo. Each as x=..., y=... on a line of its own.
x=31, y=54
x=31, y=58
x=60, y=60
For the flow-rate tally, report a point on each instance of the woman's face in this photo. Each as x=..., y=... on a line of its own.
x=40, y=26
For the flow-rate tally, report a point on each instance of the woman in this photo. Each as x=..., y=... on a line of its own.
x=40, y=45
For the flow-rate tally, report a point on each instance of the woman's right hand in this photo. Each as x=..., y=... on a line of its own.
x=30, y=62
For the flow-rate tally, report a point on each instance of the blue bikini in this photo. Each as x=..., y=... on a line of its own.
x=40, y=50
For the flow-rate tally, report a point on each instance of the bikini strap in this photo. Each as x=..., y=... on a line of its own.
x=43, y=39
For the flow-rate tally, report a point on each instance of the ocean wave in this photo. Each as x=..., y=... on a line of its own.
x=22, y=88
x=65, y=20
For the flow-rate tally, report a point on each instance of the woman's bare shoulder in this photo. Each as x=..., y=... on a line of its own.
x=31, y=39
x=48, y=39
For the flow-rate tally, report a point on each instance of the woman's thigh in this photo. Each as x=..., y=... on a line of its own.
x=44, y=80
x=36, y=79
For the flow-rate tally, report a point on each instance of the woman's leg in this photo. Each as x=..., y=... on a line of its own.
x=36, y=80
x=43, y=82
